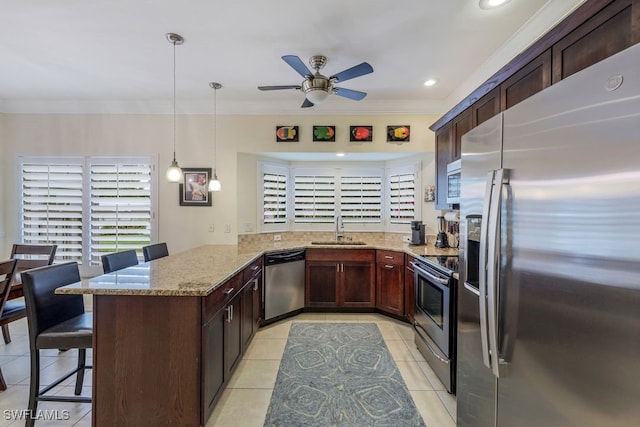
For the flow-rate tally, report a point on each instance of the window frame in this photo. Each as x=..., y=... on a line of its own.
x=87, y=268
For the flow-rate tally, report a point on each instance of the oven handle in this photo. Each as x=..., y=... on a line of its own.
x=431, y=276
x=436, y=355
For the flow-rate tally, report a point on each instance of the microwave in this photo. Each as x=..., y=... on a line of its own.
x=453, y=182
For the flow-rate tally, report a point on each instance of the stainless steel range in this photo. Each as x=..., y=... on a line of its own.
x=435, y=315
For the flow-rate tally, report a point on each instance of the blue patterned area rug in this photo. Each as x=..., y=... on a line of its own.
x=339, y=374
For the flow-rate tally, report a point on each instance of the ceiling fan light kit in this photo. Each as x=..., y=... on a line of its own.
x=318, y=87
x=174, y=173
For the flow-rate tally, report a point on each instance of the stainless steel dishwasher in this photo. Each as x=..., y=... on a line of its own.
x=283, y=283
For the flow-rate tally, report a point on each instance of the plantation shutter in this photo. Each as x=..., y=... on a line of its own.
x=402, y=198
x=314, y=198
x=274, y=198
x=52, y=207
x=361, y=198
x=121, y=209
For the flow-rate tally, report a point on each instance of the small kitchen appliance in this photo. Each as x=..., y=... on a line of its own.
x=441, y=238
x=417, y=233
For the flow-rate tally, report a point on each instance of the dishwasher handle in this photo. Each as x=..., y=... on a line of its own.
x=282, y=257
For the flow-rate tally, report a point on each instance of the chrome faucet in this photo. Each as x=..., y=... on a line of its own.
x=339, y=228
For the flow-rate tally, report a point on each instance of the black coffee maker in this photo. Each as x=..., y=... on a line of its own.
x=417, y=233
x=441, y=238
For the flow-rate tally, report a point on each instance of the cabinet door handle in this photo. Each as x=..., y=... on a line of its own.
x=390, y=267
x=228, y=309
x=228, y=291
x=337, y=268
x=255, y=267
x=342, y=267
x=255, y=284
x=388, y=257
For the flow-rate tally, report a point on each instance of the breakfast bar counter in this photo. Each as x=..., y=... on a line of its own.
x=168, y=334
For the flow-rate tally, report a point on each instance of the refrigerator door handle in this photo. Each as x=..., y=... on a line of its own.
x=493, y=269
x=482, y=274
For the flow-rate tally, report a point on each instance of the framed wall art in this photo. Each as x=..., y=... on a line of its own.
x=324, y=133
x=194, y=187
x=360, y=133
x=398, y=133
x=287, y=134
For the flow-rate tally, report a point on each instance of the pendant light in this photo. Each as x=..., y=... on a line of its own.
x=174, y=173
x=214, y=184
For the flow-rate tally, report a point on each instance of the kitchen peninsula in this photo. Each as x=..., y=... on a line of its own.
x=168, y=334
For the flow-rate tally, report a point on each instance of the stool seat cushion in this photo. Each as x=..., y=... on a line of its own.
x=76, y=332
x=12, y=307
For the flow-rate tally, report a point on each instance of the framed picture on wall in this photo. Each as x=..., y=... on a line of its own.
x=194, y=188
x=398, y=133
x=360, y=133
x=324, y=133
x=287, y=134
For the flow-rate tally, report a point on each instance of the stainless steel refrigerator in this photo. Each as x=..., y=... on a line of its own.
x=549, y=289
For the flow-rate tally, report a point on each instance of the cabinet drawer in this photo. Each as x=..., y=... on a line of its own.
x=389, y=257
x=217, y=299
x=252, y=270
x=340, y=255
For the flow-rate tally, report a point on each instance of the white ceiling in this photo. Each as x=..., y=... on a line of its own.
x=112, y=56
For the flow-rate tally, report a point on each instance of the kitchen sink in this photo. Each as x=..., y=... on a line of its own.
x=340, y=243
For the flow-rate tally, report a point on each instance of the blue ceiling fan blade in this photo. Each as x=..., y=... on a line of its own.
x=297, y=64
x=353, y=72
x=356, y=95
x=279, y=87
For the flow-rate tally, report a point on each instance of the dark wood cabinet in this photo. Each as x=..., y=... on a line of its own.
x=604, y=34
x=448, y=149
x=486, y=107
x=233, y=345
x=251, y=301
x=529, y=80
x=444, y=154
x=213, y=372
x=594, y=31
x=390, y=282
x=409, y=289
x=340, y=278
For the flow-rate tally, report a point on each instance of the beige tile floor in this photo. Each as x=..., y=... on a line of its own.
x=245, y=401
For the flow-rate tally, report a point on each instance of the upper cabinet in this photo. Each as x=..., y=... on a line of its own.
x=594, y=31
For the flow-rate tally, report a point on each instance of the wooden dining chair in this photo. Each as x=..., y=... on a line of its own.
x=6, y=274
x=27, y=257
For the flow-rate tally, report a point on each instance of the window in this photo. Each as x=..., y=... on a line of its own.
x=369, y=197
x=361, y=198
x=402, y=183
x=88, y=206
x=314, y=198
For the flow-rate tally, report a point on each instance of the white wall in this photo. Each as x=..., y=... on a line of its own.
x=186, y=227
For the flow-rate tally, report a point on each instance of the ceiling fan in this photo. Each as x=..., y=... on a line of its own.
x=317, y=87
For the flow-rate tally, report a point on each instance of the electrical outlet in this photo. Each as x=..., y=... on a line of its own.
x=406, y=239
x=211, y=228
x=277, y=237
x=227, y=228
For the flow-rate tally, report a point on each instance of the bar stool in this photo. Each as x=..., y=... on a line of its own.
x=6, y=274
x=119, y=260
x=155, y=251
x=55, y=321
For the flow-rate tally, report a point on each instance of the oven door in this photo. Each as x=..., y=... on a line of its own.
x=432, y=306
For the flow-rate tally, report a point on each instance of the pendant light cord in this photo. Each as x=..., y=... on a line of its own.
x=174, y=101
x=215, y=129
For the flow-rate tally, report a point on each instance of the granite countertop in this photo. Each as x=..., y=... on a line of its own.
x=199, y=271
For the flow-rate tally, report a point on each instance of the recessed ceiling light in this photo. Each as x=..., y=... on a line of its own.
x=490, y=4
x=340, y=154
x=430, y=82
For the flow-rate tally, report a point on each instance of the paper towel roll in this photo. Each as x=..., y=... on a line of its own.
x=452, y=216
